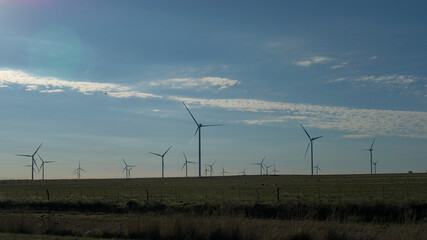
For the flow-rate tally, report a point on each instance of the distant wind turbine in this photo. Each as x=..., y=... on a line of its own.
x=186, y=164
x=370, y=153
x=33, y=160
x=42, y=165
x=162, y=156
x=310, y=143
x=317, y=168
x=375, y=166
x=266, y=168
x=199, y=129
x=261, y=165
x=223, y=171
x=78, y=170
x=274, y=170
x=127, y=168
x=243, y=172
x=211, y=168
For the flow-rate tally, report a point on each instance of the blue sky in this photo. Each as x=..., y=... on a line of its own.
x=349, y=71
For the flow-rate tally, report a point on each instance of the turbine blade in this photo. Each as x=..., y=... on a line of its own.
x=372, y=145
x=183, y=165
x=316, y=138
x=155, y=154
x=23, y=155
x=37, y=149
x=212, y=125
x=308, y=135
x=190, y=114
x=185, y=157
x=82, y=170
x=306, y=150
x=49, y=161
x=40, y=158
x=166, y=151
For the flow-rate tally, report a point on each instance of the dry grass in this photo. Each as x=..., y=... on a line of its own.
x=186, y=227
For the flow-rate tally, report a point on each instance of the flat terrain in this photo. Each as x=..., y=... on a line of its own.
x=353, y=207
x=387, y=188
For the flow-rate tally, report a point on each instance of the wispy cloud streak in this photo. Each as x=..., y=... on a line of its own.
x=357, y=121
x=51, y=84
x=313, y=60
x=198, y=83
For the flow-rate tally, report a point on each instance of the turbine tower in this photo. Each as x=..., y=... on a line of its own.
x=261, y=165
x=266, y=168
x=186, y=164
x=42, y=165
x=163, y=163
x=199, y=129
x=370, y=153
x=33, y=160
x=127, y=168
x=310, y=143
x=77, y=171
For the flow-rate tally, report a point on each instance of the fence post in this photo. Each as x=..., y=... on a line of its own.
x=48, y=196
x=278, y=194
x=257, y=195
x=147, y=195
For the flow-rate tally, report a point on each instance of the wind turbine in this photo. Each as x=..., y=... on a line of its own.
x=206, y=171
x=211, y=168
x=261, y=165
x=127, y=168
x=163, y=163
x=42, y=165
x=317, y=168
x=33, y=160
x=199, y=129
x=223, y=171
x=186, y=164
x=310, y=144
x=370, y=153
x=266, y=168
x=375, y=166
x=77, y=171
x=274, y=169
x=243, y=172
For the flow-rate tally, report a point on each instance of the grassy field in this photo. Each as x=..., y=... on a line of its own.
x=388, y=188
x=353, y=207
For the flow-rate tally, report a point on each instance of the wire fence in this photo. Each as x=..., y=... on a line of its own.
x=268, y=194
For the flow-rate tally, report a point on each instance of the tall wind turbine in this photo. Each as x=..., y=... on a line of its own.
x=199, y=129
x=33, y=160
x=310, y=144
x=42, y=165
x=186, y=164
x=77, y=171
x=127, y=168
x=370, y=153
x=163, y=163
x=261, y=165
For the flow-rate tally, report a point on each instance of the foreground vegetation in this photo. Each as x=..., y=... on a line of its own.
x=253, y=207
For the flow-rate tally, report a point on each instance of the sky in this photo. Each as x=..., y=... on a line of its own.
x=101, y=81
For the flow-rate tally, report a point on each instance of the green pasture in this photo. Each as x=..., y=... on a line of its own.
x=387, y=188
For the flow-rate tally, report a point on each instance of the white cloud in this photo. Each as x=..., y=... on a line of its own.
x=313, y=60
x=358, y=121
x=199, y=83
x=50, y=84
x=373, y=57
x=341, y=65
